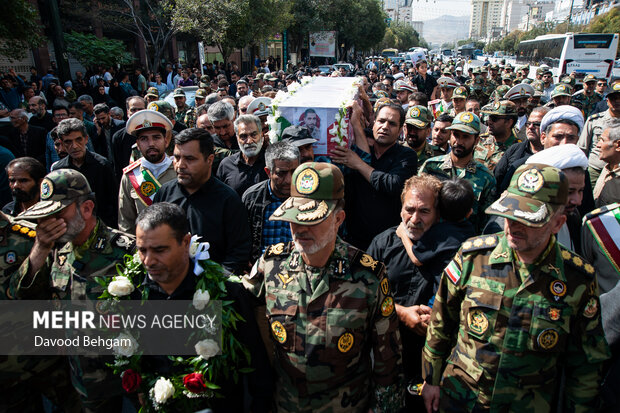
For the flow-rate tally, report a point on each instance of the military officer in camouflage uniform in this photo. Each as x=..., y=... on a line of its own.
x=191, y=115
x=142, y=179
x=459, y=97
x=561, y=95
x=182, y=107
x=501, y=118
x=22, y=378
x=514, y=309
x=417, y=130
x=594, y=127
x=478, y=91
x=329, y=307
x=587, y=98
x=460, y=163
x=72, y=247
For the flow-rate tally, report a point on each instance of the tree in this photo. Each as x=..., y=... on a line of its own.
x=19, y=29
x=90, y=50
x=405, y=36
x=606, y=23
x=150, y=21
x=231, y=24
x=305, y=18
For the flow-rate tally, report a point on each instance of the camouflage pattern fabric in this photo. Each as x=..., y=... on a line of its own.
x=481, y=179
x=23, y=377
x=586, y=103
x=190, y=118
x=501, y=331
x=219, y=155
x=180, y=114
x=325, y=322
x=69, y=275
x=489, y=151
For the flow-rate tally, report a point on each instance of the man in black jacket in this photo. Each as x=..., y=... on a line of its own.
x=26, y=140
x=263, y=198
x=106, y=128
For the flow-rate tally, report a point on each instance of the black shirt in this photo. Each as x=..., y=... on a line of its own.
x=100, y=175
x=259, y=380
x=217, y=141
x=237, y=174
x=12, y=208
x=425, y=86
x=46, y=122
x=373, y=207
x=216, y=213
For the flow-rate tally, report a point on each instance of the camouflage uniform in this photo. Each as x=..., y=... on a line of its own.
x=23, y=377
x=586, y=103
x=190, y=118
x=420, y=117
x=507, y=329
x=488, y=151
x=326, y=321
x=69, y=274
x=480, y=178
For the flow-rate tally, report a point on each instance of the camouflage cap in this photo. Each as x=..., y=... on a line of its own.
x=466, y=122
x=535, y=193
x=178, y=92
x=506, y=76
x=478, y=83
x=494, y=66
x=500, y=91
x=476, y=71
x=201, y=94
x=561, y=89
x=539, y=88
x=260, y=76
x=382, y=99
x=540, y=70
x=502, y=108
x=460, y=93
x=523, y=67
x=484, y=69
x=59, y=189
x=316, y=188
x=614, y=88
x=162, y=107
x=568, y=80
x=152, y=91
x=589, y=78
x=418, y=116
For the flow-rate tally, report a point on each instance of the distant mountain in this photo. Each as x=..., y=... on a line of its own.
x=445, y=29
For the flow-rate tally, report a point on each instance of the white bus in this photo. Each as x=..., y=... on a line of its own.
x=583, y=53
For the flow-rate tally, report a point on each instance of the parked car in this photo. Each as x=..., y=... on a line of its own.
x=190, y=93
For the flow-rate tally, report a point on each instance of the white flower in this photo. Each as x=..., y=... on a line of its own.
x=127, y=345
x=120, y=286
x=207, y=348
x=163, y=390
x=201, y=299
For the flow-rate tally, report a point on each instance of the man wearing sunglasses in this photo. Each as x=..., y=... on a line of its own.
x=502, y=117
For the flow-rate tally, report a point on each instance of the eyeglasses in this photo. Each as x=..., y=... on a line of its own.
x=495, y=118
x=530, y=124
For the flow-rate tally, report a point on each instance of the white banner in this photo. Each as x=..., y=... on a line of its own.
x=323, y=44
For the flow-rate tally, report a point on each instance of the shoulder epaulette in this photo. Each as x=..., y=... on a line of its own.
x=367, y=262
x=479, y=243
x=601, y=210
x=576, y=262
x=278, y=250
x=132, y=166
x=596, y=115
x=25, y=228
x=485, y=134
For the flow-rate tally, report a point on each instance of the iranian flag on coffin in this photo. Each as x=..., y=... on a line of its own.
x=318, y=103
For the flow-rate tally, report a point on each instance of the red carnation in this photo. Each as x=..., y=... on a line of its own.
x=130, y=380
x=194, y=382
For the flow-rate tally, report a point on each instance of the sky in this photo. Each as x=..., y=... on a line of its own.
x=431, y=9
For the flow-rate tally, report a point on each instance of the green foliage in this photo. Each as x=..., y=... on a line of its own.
x=91, y=51
x=606, y=23
x=19, y=30
x=401, y=36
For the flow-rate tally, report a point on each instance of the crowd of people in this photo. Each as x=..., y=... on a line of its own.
x=460, y=254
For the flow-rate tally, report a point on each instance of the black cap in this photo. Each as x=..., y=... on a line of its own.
x=297, y=135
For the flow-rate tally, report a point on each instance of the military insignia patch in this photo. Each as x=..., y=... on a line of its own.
x=453, y=272
x=123, y=241
x=279, y=332
x=307, y=181
x=276, y=249
x=285, y=278
x=294, y=262
x=32, y=233
x=467, y=245
x=531, y=181
x=146, y=124
x=478, y=321
x=387, y=306
x=339, y=266
x=589, y=268
x=554, y=313
x=490, y=241
x=47, y=189
x=566, y=255
x=10, y=257
x=368, y=261
x=345, y=342
x=99, y=244
x=147, y=188
x=153, y=106
x=466, y=117
x=558, y=289
x=591, y=308
x=414, y=112
x=548, y=339
x=592, y=288
x=385, y=286
x=577, y=261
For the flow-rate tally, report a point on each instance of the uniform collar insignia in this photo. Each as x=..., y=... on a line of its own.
x=501, y=253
